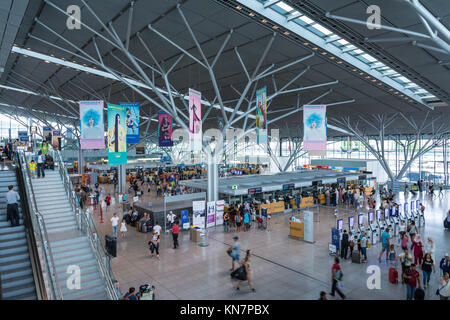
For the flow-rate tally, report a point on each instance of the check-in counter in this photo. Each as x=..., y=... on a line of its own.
x=274, y=207
x=296, y=230
x=306, y=202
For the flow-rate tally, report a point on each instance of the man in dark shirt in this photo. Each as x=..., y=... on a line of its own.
x=344, y=245
x=412, y=278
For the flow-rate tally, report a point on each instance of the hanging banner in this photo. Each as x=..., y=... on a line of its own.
x=211, y=214
x=56, y=139
x=132, y=111
x=220, y=206
x=140, y=147
x=46, y=133
x=117, y=135
x=315, y=128
x=92, y=125
x=23, y=136
x=261, y=116
x=165, y=129
x=195, y=120
x=198, y=213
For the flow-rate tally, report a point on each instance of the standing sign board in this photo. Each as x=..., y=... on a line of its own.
x=220, y=206
x=198, y=213
x=185, y=219
x=308, y=218
x=211, y=214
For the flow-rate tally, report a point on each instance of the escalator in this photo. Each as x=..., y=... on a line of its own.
x=17, y=273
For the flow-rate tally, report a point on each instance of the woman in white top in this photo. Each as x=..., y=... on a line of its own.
x=429, y=247
x=444, y=287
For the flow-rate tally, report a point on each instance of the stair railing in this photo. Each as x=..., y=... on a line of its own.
x=87, y=227
x=41, y=235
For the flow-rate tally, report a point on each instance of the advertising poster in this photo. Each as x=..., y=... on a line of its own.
x=315, y=128
x=117, y=135
x=165, y=130
x=132, y=111
x=185, y=219
x=261, y=116
x=56, y=139
x=198, y=213
x=46, y=133
x=335, y=238
x=195, y=120
x=92, y=125
x=23, y=136
x=220, y=206
x=211, y=214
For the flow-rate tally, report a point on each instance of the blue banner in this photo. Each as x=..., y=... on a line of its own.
x=335, y=238
x=23, y=136
x=185, y=219
x=132, y=111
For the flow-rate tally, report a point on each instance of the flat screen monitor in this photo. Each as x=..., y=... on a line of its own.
x=393, y=212
x=406, y=207
x=351, y=222
x=417, y=204
x=370, y=214
x=386, y=213
x=412, y=205
x=361, y=219
x=340, y=224
x=400, y=209
x=378, y=215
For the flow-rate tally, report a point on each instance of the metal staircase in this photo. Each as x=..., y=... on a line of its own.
x=17, y=281
x=70, y=237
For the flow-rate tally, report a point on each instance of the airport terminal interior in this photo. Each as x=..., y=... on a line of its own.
x=224, y=150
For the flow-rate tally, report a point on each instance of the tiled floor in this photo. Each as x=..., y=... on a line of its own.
x=283, y=268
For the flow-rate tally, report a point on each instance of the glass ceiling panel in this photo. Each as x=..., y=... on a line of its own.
x=285, y=9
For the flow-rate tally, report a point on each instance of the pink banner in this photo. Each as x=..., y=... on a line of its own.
x=92, y=125
x=195, y=120
x=315, y=128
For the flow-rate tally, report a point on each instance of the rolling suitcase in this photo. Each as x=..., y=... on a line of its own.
x=356, y=257
x=393, y=275
x=419, y=294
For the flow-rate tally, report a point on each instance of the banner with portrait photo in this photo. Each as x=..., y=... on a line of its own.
x=92, y=125
x=117, y=135
x=195, y=120
x=56, y=139
x=261, y=116
x=132, y=111
x=47, y=133
x=198, y=213
x=315, y=128
x=211, y=214
x=165, y=129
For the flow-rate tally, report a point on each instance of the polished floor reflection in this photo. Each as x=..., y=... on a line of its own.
x=283, y=268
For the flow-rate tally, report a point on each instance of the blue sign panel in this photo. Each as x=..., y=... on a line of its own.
x=335, y=237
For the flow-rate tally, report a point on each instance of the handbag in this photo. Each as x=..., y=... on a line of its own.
x=367, y=244
x=229, y=250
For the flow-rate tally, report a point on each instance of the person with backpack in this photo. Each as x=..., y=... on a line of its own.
x=344, y=245
x=336, y=278
x=412, y=279
x=130, y=295
x=406, y=260
x=238, y=221
x=385, y=241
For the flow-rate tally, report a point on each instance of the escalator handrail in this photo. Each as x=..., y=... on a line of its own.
x=40, y=226
x=39, y=280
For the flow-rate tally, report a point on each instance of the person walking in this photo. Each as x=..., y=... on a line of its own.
x=416, y=248
x=406, y=260
x=154, y=244
x=40, y=164
x=235, y=252
x=412, y=279
x=246, y=275
x=441, y=188
x=351, y=243
x=246, y=220
x=114, y=224
x=427, y=266
x=238, y=221
x=336, y=278
x=444, y=265
x=12, y=207
x=175, y=230
x=429, y=248
x=171, y=219
x=344, y=245
x=108, y=201
x=412, y=230
x=157, y=228
x=385, y=242
x=123, y=228
x=444, y=287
